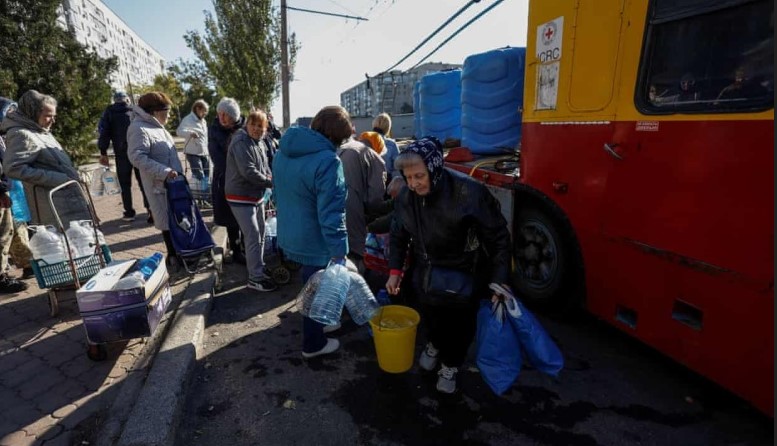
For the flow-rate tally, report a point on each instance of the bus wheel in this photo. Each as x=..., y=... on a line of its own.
x=540, y=258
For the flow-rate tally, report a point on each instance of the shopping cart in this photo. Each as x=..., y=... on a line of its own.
x=199, y=184
x=71, y=273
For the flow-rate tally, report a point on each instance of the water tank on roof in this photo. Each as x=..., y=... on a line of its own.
x=491, y=100
x=440, y=102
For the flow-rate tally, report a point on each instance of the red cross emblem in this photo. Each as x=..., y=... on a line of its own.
x=548, y=33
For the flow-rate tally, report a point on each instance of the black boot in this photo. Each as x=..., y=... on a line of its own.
x=9, y=285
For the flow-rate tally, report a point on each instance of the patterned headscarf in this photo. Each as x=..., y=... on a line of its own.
x=429, y=149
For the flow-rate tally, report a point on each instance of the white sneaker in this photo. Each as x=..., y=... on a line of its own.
x=446, y=383
x=428, y=359
x=331, y=346
x=331, y=328
x=262, y=285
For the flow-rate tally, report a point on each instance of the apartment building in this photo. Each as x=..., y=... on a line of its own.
x=391, y=92
x=102, y=31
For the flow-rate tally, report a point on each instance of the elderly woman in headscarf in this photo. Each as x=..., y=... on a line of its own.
x=151, y=149
x=36, y=158
x=453, y=221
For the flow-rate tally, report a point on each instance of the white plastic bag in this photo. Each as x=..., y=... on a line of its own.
x=110, y=182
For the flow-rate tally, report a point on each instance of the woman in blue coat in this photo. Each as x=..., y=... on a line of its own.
x=310, y=193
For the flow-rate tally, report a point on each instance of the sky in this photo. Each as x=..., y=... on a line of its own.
x=337, y=52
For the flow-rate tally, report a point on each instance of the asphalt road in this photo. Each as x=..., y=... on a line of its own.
x=253, y=387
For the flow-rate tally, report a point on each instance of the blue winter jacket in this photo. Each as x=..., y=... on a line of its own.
x=309, y=190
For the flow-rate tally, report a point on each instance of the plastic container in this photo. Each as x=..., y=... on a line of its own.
x=110, y=182
x=306, y=294
x=19, y=208
x=130, y=281
x=81, y=239
x=147, y=265
x=48, y=244
x=383, y=297
x=492, y=100
x=328, y=302
x=440, y=104
x=271, y=227
x=394, y=330
x=360, y=302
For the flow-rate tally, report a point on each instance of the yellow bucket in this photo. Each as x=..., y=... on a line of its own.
x=394, y=329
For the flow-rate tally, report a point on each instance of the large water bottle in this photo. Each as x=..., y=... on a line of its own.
x=81, y=239
x=111, y=182
x=19, y=208
x=328, y=301
x=360, y=302
x=130, y=281
x=271, y=227
x=89, y=225
x=47, y=244
x=147, y=265
x=306, y=294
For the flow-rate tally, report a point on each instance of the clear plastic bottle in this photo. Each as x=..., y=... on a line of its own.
x=185, y=224
x=306, y=294
x=329, y=299
x=147, y=265
x=271, y=227
x=360, y=302
x=81, y=239
x=130, y=281
x=111, y=182
x=47, y=244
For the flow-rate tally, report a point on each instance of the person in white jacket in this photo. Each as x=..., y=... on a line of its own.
x=194, y=129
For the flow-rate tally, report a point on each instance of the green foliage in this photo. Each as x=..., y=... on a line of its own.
x=35, y=53
x=198, y=84
x=241, y=49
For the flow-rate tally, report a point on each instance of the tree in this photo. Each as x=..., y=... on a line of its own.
x=241, y=49
x=35, y=53
x=197, y=82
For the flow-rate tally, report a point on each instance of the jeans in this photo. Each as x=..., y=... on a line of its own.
x=251, y=221
x=199, y=165
x=313, y=337
x=124, y=171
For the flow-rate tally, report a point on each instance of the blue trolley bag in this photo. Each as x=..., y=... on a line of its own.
x=191, y=237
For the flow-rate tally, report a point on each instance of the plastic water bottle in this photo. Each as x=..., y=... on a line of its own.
x=147, y=265
x=383, y=297
x=111, y=182
x=306, y=294
x=47, y=244
x=130, y=281
x=88, y=224
x=96, y=186
x=19, y=208
x=360, y=302
x=185, y=224
x=271, y=227
x=81, y=239
x=329, y=299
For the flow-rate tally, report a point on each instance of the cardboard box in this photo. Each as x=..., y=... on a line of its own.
x=98, y=293
x=129, y=321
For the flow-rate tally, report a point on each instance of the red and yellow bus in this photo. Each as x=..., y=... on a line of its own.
x=645, y=184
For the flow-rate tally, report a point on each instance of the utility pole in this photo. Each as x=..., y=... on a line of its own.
x=285, y=67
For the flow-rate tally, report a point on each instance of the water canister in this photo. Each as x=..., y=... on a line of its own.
x=19, y=208
x=88, y=224
x=492, y=101
x=47, y=244
x=440, y=104
x=111, y=182
x=417, y=110
x=360, y=302
x=306, y=294
x=328, y=301
x=81, y=239
x=271, y=227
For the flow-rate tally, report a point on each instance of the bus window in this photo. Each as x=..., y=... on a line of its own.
x=707, y=57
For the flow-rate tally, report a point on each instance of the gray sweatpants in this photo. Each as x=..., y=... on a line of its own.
x=251, y=222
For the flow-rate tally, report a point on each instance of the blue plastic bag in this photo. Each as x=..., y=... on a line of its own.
x=542, y=352
x=498, y=349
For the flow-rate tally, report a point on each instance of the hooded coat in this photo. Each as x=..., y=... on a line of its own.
x=36, y=158
x=151, y=149
x=310, y=195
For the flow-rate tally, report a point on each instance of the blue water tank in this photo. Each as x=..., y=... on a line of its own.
x=492, y=100
x=440, y=102
x=417, y=110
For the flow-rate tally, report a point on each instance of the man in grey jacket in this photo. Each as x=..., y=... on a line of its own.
x=365, y=178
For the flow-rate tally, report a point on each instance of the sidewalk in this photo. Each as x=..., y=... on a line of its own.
x=50, y=392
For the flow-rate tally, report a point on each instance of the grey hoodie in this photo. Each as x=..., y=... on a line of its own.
x=248, y=171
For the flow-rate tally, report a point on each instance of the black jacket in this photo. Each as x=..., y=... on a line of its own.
x=113, y=128
x=457, y=208
x=218, y=143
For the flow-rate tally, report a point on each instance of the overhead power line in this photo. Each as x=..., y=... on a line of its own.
x=327, y=13
x=463, y=27
x=450, y=19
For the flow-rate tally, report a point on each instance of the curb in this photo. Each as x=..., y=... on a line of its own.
x=155, y=414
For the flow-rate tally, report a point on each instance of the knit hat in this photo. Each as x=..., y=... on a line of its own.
x=230, y=107
x=119, y=96
x=430, y=151
x=374, y=140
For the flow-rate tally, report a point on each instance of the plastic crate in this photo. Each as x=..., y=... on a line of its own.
x=60, y=274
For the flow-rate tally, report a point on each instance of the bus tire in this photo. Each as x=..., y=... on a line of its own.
x=545, y=256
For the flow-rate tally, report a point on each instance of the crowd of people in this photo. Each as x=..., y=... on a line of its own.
x=328, y=184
